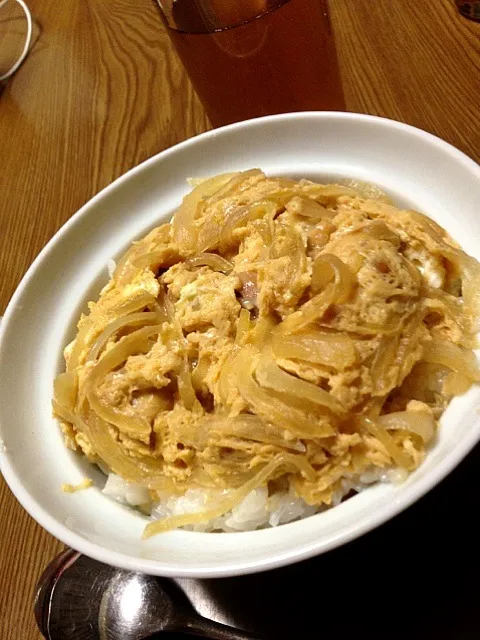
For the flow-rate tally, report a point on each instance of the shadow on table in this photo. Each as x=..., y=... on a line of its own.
x=416, y=577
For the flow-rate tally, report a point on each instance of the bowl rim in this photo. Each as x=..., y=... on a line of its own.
x=274, y=560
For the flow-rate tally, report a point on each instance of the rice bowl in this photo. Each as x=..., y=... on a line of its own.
x=332, y=146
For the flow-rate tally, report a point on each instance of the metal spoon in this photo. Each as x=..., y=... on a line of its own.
x=78, y=598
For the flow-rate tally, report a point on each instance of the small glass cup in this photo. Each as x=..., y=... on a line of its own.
x=256, y=57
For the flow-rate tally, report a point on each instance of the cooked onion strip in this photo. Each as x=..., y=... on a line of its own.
x=185, y=386
x=243, y=326
x=270, y=376
x=418, y=422
x=131, y=320
x=312, y=310
x=248, y=427
x=366, y=190
x=154, y=260
x=278, y=411
x=329, y=268
x=212, y=260
x=90, y=324
x=469, y=270
x=211, y=229
x=184, y=231
x=143, y=470
x=379, y=432
x=137, y=342
x=452, y=356
x=224, y=505
x=65, y=389
x=456, y=384
x=238, y=218
x=330, y=349
x=307, y=208
x=199, y=373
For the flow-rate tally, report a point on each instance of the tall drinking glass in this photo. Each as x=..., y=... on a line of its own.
x=248, y=58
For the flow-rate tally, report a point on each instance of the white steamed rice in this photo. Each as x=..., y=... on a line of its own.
x=257, y=511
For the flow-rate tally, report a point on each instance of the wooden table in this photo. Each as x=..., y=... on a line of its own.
x=102, y=90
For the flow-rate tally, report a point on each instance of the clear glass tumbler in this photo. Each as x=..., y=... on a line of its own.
x=248, y=58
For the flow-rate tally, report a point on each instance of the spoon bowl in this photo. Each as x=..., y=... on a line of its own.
x=79, y=598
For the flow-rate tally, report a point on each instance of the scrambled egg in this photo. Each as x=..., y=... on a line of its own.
x=173, y=393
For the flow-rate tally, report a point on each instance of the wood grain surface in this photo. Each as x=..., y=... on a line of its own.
x=102, y=90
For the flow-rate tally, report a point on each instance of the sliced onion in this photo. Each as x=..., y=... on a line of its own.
x=270, y=376
x=456, y=384
x=237, y=184
x=397, y=355
x=249, y=427
x=240, y=216
x=419, y=422
x=430, y=227
x=471, y=286
x=366, y=190
x=425, y=382
x=334, y=280
x=309, y=312
x=221, y=210
x=157, y=241
x=452, y=356
x=329, y=268
x=225, y=504
x=199, y=372
x=185, y=386
x=67, y=415
x=154, y=260
x=262, y=331
x=469, y=270
x=195, y=182
x=133, y=319
x=137, y=428
x=308, y=208
x=301, y=464
x=212, y=260
x=107, y=315
x=330, y=349
x=143, y=470
x=243, y=326
x=381, y=434
x=326, y=192
x=225, y=379
x=383, y=371
x=379, y=230
x=65, y=389
x=184, y=231
x=271, y=408
x=136, y=342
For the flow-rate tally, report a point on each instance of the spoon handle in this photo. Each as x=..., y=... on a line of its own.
x=200, y=626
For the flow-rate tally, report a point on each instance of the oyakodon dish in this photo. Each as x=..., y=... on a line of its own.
x=277, y=347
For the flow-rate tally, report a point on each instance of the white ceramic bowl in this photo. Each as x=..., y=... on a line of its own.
x=417, y=169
